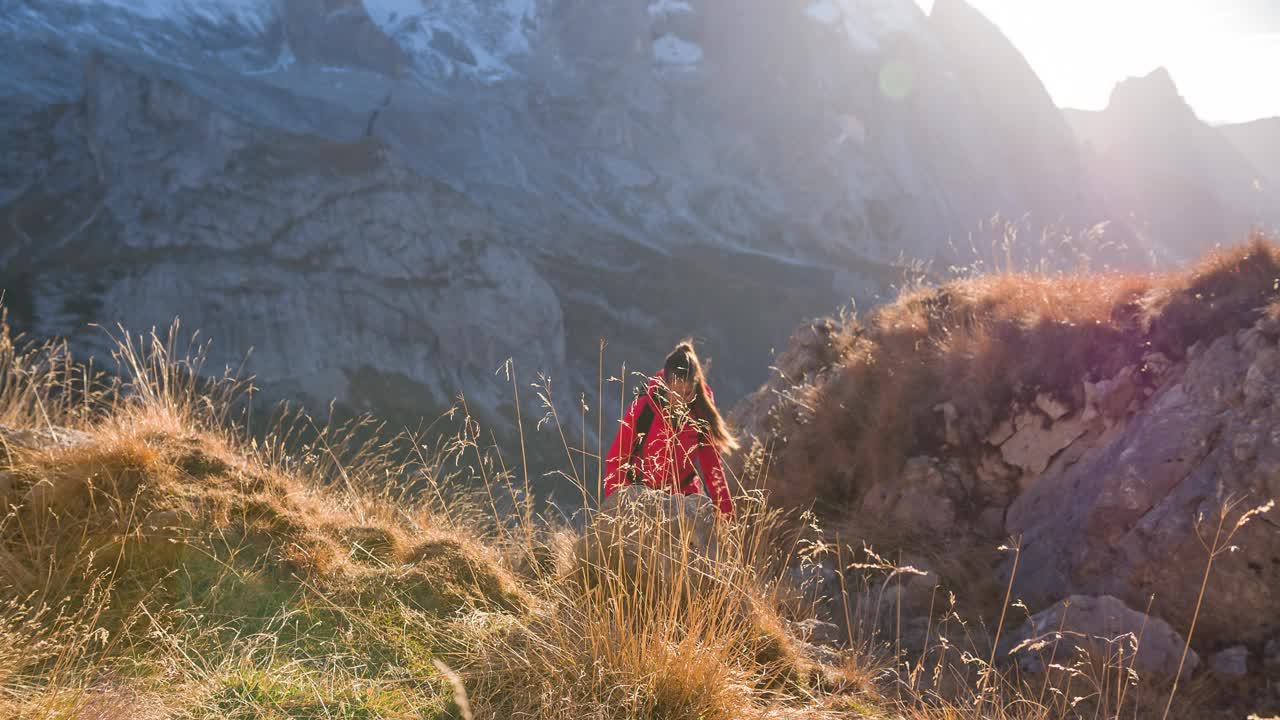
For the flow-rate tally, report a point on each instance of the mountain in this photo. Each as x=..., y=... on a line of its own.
x=386, y=199
x=1259, y=141
x=1031, y=141
x=1172, y=175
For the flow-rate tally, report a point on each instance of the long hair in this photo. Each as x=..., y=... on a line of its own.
x=683, y=364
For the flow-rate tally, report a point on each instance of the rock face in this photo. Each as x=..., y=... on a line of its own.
x=1121, y=519
x=343, y=270
x=1101, y=486
x=386, y=199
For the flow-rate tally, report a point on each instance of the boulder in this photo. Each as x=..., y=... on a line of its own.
x=1230, y=663
x=1099, y=629
x=816, y=580
x=818, y=632
x=649, y=534
x=43, y=437
x=919, y=588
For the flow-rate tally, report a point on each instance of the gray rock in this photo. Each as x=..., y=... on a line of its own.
x=1271, y=654
x=818, y=632
x=43, y=437
x=817, y=653
x=650, y=535
x=816, y=580
x=1230, y=663
x=991, y=522
x=949, y=416
x=1112, y=397
x=1001, y=432
x=1100, y=628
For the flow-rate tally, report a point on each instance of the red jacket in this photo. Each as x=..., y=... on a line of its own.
x=681, y=461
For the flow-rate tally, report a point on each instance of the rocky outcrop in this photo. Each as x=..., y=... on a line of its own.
x=1110, y=489
x=1230, y=663
x=1128, y=516
x=1115, y=497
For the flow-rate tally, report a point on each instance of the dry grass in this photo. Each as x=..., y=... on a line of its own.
x=157, y=561
x=982, y=343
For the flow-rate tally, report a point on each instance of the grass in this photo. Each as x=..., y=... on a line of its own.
x=156, y=560
x=982, y=343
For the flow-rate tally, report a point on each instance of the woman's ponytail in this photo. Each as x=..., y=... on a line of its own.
x=683, y=364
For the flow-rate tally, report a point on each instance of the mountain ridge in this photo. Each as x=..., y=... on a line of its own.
x=845, y=146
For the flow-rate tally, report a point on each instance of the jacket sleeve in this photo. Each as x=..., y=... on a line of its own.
x=708, y=458
x=615, y=466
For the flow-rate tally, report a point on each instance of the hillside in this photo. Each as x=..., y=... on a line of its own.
x=157, y=562
x=1109, y=428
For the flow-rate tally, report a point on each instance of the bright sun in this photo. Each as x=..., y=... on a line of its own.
x=1221, y=54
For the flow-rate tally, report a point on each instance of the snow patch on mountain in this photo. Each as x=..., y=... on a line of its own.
x=459, y=36
x=250, y=14
x=674, y=51
x=663, y=8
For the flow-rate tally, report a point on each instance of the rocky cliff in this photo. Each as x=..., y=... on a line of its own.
x=386, y=199
x=1104, y=423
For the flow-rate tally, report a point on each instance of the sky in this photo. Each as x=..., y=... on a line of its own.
x=1224, y=55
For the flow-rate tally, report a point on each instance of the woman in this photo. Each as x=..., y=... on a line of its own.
x=672, y=435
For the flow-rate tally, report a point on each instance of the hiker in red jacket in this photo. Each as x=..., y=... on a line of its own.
x=672, y=435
